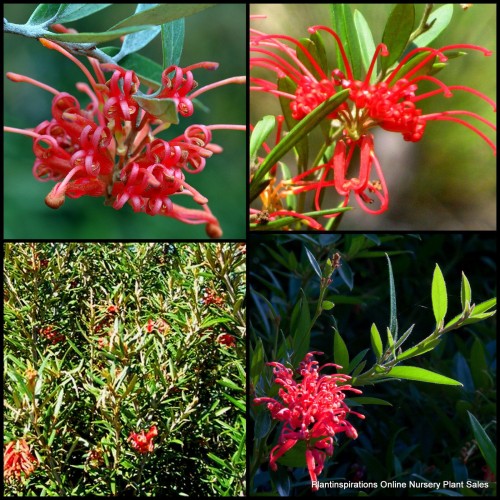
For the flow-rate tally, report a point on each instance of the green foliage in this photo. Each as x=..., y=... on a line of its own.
x=141, y=326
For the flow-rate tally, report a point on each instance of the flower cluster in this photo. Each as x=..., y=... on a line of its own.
x=390, y=101
x=226, y=339
x=110, y=148
x=17, y=459
x=143, y=442
x=212, y=297
x=52, y=335
x=160, y=324
x=312, y=410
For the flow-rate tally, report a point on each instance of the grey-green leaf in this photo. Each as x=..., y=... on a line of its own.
x=43, y=14
x=73, y=11
x=163, y=13
x=314, y=262
x=163, y=108
x=172, y=38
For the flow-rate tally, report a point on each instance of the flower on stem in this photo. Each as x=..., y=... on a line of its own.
x=390, y=101
x=109, y=148
x=17, y=460
x=312, y=410
x=143, y=442
x=226, y=339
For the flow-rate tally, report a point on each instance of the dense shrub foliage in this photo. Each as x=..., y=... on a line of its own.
x=124, y=369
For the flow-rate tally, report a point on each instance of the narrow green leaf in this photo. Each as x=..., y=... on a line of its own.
x=420, y=375
x=340, y=352
x=356, y=360
x=301, y=330
x=260, y=133
x=439, y=296
x=376, y=341
x=73, y=11
x=484, y=443
x=397, y=32
x=296, y=134
x=425, y=69
x=43, y=14
x=484, y=306
x=314, y=262
x=58, y=403
x=393, y=322
x=95, y=38
x=343, y=23
x=439, y=19
x=366, y=43
x=287, y=85
x=172, y=40
x=370, y=401
x=465, y=293
x=418, y=350
x=136, y=41
x=162, y=13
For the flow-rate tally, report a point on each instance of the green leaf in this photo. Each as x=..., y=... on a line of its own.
x=58, y=403
x=136, y=41
x=412, y=63
x=356, y=360
x=421, y=375
x=343, y=24
x=439, y=296
x=73, y=11
x=314, y=262
x=484, y=443
x=260, y=133
x=340, y=352
x=162, y=13
x=370, y=401
x=366, y=43
x=397, y=32
x=301, y=329
x=172, y=38
x=393, y=322
x=302, y=147
x=297, y=133
x=95, y=38
x=164, y=108
x=465, y=293
x=376, y=341
x=439, y=20
x=484, y=306
x=418, y=350
x=44, y=13
x=326, y=305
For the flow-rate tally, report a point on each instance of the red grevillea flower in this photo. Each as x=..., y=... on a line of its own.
x=226, y=339
x=143, y=442
x=50, y=333
x=17, y=459
x=312, y=410
x=109, y=147
x=391, y=103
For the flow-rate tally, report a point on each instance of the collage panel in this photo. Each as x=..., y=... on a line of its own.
x=372, y=364
x=372, y=117
x=124, y=369
x=125, y=133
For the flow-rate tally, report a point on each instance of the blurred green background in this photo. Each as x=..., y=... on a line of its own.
x=215, y=34
x=448, y=179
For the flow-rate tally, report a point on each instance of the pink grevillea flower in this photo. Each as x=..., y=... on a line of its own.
x=390, y=101
x=143, y=442
x=312, y=410
x=17, y=460
x=109, y=147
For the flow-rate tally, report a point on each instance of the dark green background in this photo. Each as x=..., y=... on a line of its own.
x=215, y=34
